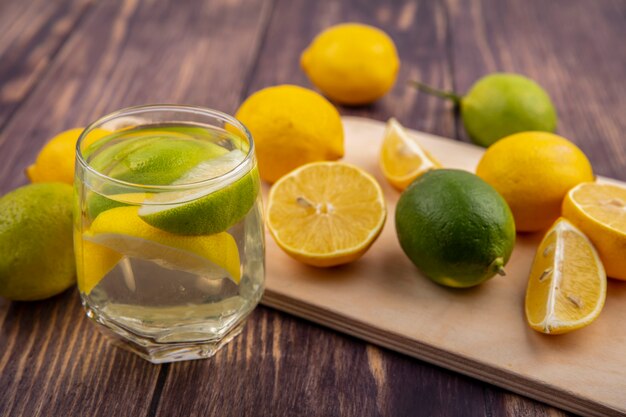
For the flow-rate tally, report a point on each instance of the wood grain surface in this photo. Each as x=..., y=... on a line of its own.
x=481, y=332
x=65, y=62
x=32, y=32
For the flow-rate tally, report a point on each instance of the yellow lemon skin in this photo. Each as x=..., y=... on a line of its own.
x=533, y=171
x=291, y=126
x=352, y=63
x=599, y=210
x=55, y=161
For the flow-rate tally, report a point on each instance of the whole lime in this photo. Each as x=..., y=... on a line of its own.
x=37, y=259
x=455, y=228
x=500, y=104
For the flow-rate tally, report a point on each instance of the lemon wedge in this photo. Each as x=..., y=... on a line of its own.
x=567, y=283
x=402, y=159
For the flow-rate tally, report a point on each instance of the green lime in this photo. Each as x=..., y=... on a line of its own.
x=37, y=259
x=455, y=228
x=501, y=104
x=154, y=160
x=205, y=210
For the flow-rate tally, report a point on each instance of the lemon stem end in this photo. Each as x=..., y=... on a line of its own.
x=498, y=266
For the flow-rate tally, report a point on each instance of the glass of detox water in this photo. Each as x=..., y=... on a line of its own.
x=168, y=235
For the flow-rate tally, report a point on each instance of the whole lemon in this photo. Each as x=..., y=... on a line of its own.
x=55, y=162
x=533, y=171
x=36, y=242
x=352, y=63
x=291, y=126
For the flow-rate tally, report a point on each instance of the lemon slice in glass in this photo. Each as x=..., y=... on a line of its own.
x=119, y=232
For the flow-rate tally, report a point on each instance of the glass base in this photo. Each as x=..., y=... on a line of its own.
x=156, y=352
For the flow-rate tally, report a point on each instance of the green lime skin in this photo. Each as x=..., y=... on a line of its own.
x=37, y=259
x=156, y=160
x=213, y=213
x=501, y=104
x=455, y=228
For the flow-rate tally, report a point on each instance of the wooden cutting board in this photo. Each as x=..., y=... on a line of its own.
x=481, y=332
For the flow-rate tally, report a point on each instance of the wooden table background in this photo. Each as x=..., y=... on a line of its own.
x=64, y=63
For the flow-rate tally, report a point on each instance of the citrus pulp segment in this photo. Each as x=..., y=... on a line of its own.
x=567, y=283
x=326, y=213
x=402, y=159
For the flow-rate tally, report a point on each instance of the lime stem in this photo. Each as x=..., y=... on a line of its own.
x=498, y=266
x=448, y=95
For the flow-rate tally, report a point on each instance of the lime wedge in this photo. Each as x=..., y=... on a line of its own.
x=207, y=210
x=154, y=159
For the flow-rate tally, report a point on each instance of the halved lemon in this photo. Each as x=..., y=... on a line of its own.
x=599, y=210
x=567, y=283
x=402, y=159
x=326, y=213
x=119, y=232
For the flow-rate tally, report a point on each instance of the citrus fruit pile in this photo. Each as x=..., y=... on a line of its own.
x=457, y=227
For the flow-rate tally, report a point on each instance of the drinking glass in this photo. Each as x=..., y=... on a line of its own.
x=168, y=229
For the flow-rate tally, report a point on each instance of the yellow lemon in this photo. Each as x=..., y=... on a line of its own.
x=567, y=283
x=326, y=213
x=291, y=126
x=352, y=63
x=401, y=158
x=533, y=171
x=55, y=161
x=599, y=210
x=120, y=232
